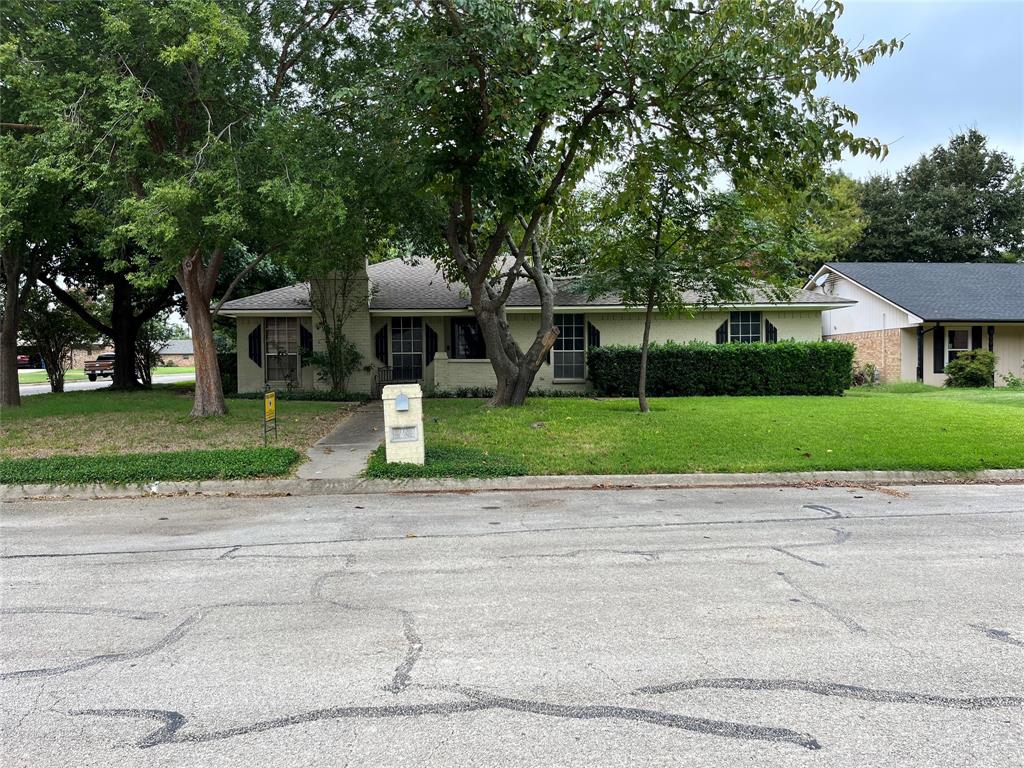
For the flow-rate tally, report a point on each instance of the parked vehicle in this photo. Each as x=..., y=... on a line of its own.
x=24, y=361
x=101, y=366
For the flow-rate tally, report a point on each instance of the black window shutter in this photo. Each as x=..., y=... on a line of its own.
x=722, y=333
x=976, y=342
x=771, y=333
x=938, y=349
x=256, y=345
x=430, y=344
x=593, y=336
x=380, y=342
x=305, y=338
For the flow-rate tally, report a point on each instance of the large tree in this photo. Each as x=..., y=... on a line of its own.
x=167, y=112
x=55, y=332
x=658, y=236
x=961, y=202
x=506, y=107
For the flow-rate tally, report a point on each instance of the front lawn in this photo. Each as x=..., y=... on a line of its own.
x=39, y=377
x=925, y=428
x=148, y=425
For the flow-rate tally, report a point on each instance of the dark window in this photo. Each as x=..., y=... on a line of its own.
x=282, y=336
x=407, y=347
x=431, y=343
x=744, y=327
x=569, y=347
x=959, y=341
x=380, y=345
x=467, y=340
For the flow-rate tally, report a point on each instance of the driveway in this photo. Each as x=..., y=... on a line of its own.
x=74, y=386
x=714, y=627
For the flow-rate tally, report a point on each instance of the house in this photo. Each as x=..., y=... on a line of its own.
x=911, y=319
x=177, y=352
x=410, y=324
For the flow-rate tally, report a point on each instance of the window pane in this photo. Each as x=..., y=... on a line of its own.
x=744, y=327
x=467, y=340
x=282, y=347
x=568, y=350
x=407, y=347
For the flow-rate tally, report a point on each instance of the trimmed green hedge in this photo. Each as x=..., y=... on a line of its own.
x=227, y=464
x=783, y=368
x=310, y=395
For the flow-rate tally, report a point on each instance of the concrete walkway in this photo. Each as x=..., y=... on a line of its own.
x=343, y=453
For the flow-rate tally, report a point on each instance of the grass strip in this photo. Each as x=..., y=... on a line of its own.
x=227, y=464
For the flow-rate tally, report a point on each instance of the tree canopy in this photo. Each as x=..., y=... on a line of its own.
x=961, y=202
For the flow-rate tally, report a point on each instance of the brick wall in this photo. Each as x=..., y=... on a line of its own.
x=880, y=348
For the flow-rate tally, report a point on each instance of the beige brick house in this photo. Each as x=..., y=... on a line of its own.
x=911, y=319
x=412, y=325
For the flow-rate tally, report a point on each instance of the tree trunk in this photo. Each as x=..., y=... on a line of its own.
x=644, y=347
x=125, y=327
x=10, y=394
x=209, y=393
x=14, y=298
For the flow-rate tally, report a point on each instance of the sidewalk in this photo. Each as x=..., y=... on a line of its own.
x=342, y=454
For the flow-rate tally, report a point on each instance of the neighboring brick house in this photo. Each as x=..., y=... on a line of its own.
x=911, y=318
x=412, y=325
x=177, y=352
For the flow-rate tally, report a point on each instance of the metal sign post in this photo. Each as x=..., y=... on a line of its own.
x=269, y=415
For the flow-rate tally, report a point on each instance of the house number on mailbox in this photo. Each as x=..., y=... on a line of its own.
x=403, y=434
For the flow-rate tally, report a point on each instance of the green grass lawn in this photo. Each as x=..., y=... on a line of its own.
x=109, y=426
x=39, y=377
x=904, y=427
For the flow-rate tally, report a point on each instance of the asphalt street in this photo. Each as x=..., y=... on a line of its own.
x=75, y=386
x=715, y=627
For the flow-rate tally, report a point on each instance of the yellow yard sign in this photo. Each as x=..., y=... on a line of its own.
x=269, y=415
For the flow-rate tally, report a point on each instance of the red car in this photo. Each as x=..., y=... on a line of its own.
x=24, y=362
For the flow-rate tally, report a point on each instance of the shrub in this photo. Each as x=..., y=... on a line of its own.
x=228, y=362
x=864, y=375
x=1012, y=380
x=315, y=395
x=783, y=368
x=227, y=464
x=972, y=368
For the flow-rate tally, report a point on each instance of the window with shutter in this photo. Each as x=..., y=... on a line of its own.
x=771, y=333
x=593, y=336
x=305, y=338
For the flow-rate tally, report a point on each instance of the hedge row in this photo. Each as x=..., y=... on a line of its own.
x=783, y=368
x=228, y=464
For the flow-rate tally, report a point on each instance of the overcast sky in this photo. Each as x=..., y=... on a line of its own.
x=961, y=67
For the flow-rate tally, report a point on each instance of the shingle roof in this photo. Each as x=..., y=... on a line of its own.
x=177, y=347
x=403, y=286
x=952, y=292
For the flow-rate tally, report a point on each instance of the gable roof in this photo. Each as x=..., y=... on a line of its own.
x=950, y=292
x=399, y=286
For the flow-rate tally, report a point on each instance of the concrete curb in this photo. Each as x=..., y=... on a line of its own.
x=299, y=487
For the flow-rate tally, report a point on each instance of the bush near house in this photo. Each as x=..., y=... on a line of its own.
x=973, y=368
x=783, y=368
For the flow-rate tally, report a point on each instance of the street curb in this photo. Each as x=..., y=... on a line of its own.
x=298, y=487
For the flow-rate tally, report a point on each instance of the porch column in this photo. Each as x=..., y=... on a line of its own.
x=920, y=353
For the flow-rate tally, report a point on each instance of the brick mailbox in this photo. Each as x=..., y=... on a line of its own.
x=403, y=423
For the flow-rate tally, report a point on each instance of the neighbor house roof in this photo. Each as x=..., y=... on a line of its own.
x=950, y=292
x=177, y=347
x=399, y=286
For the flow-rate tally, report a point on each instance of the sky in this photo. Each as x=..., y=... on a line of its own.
x=961, y=67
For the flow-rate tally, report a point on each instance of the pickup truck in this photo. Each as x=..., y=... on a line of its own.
x=101, y=366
